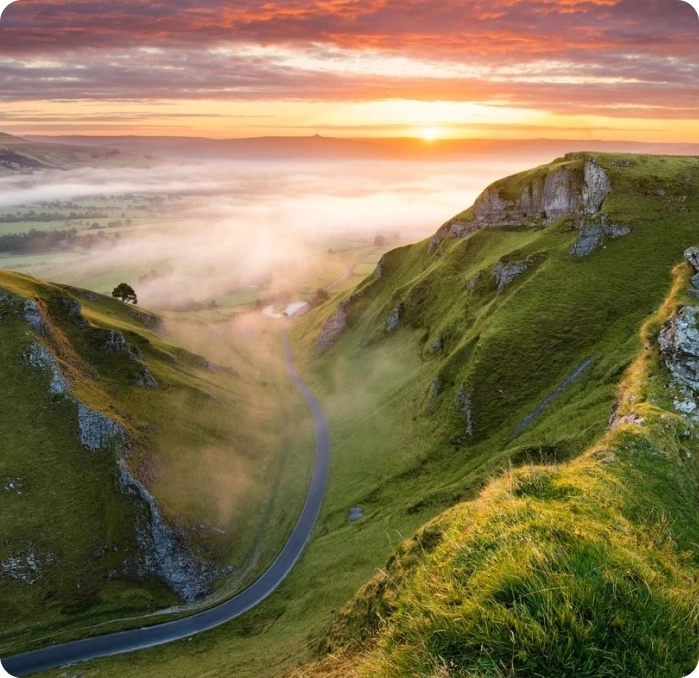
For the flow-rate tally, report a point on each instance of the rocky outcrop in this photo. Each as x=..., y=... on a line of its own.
x=116, y=343
x=593, y=234
x=144, y=378
x=39, y=356
x=97, y=431
x=504, y=273
x=465, y=409
x=679, y=346
x=564, y=190
x=394, y=319
x=170, y=558
x=74, y=312
x=164, y=553
x=692, y=257
x=334, y=327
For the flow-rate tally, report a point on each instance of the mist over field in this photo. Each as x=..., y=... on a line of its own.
x=227, y=225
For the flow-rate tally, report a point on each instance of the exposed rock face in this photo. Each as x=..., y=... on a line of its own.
x=116, y=343
x=679, y=345
x=74, y=312
x=164, y=553
x=34, y=317
x=505, y=273
x=562, y=192
x=144, y=378
x=594, y=233
x=394, y=319
x=170, y=558
x=40, y=356
x=692, y=257
x=97, y=431
x=334, y=327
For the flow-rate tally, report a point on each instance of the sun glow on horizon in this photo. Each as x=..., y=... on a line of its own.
x=428, y=133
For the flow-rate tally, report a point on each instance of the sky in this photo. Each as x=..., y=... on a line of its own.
x=578, y=69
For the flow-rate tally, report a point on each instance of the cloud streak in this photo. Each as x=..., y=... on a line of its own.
x=618, y=58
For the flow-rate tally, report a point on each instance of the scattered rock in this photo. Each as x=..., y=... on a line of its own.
x=153, y=322
x=631, y=418
x=355, y=513
x=14, y=485
x=394, y=319
x=465, y=408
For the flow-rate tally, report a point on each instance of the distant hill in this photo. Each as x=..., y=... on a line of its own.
x=321, y=147
x=19, y=154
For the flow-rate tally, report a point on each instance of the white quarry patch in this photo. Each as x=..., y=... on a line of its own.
x=294, y=309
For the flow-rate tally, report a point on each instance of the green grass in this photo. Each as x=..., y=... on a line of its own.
x=401, y=449
x=218, y=447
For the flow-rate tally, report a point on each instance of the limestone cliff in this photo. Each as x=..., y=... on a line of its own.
x=575, y=187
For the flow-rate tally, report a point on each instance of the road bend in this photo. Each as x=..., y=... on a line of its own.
x=167, y=632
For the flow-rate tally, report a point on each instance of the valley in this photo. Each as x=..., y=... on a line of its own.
x=504, y=430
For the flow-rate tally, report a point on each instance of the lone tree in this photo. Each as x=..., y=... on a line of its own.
x=379, y=240
x=125, y=293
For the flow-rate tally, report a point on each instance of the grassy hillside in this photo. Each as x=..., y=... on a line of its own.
x=22, y=155
x=476, y=373
x=210, y=442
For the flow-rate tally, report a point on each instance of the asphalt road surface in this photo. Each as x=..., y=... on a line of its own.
x=138, y=639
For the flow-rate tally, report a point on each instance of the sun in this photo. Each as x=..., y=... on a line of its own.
x=428, y=133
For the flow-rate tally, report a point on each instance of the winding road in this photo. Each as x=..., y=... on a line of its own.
x=138, y=639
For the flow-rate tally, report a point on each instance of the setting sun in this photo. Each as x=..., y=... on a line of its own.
x=428, y=133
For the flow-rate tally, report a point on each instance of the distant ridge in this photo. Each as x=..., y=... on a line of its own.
x=10, y=139
x=323, y=147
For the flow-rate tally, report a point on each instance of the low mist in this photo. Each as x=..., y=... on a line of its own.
x=229, y=225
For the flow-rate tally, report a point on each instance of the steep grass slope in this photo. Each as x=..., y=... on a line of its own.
x=135, y=474
x=482, y=366
x=584, y=568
